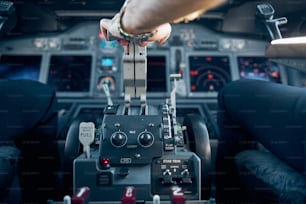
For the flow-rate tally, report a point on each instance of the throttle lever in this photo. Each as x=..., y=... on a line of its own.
x=107, y=94
x=134, y=74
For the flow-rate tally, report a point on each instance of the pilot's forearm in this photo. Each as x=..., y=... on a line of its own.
x=143, y=16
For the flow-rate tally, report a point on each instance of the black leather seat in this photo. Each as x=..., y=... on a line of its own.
x=9, y=181
x=267, y=179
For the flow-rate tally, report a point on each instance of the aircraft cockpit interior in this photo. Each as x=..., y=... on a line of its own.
x=139, y=124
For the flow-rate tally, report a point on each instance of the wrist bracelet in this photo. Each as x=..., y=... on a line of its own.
x=136, y=38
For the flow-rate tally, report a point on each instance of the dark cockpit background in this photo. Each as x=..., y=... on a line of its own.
x=59, y=43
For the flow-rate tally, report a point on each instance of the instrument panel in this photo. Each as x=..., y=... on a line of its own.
x=258, y=68
x=70, y=73
x=208, y=74
x=77, y=63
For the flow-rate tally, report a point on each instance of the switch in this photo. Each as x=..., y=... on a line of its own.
x=177, y=195
x=81, y=196
x=186, y=180
x=167, y=180
x=167, y=172
x=167, y=177
x=124, y=171
x=185, y=172
x=129, y=195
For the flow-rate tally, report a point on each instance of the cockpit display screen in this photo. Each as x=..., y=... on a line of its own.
x=20, y=67
x=208, y=73
x=259, y=68
x=70, y=73
x=156, y=74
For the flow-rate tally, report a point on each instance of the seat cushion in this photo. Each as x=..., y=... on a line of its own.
x=267, y=179
x=8, y=164
x=9, y=184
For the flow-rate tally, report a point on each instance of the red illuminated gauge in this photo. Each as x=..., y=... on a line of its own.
x=208, y=74
x=259, y=68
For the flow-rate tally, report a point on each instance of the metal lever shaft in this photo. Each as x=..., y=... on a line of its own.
x=135, y=74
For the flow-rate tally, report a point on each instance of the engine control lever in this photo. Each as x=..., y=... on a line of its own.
x=86, y=136
x=81, y=196
x=107, y=94
x=134, y=74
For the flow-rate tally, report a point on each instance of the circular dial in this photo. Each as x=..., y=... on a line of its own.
x=145, y=139
x=208, y=74
x=118, y=139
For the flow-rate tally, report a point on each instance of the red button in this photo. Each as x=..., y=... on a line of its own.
x=105, y=163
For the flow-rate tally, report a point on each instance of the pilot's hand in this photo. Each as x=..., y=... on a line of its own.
x=160, y=36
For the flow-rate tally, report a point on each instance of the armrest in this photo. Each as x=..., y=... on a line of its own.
x=293, y=48
x=9, y=156
x=269, y=179
x=289, y=52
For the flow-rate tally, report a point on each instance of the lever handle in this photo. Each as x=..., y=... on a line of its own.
x=87, y=136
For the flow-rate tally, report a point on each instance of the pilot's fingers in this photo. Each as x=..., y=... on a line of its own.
x=163, y=40
x=104, y=25
x=162, y=34
x=109, y=26
x=143, y=43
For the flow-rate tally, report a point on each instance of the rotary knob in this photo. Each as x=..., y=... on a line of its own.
x=145, y=139
x=118, y=139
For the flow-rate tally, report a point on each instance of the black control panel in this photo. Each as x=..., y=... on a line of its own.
x=142, y=152
x=137, y=144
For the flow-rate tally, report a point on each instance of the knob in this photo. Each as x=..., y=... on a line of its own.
x=118, y=139
x=145, y=139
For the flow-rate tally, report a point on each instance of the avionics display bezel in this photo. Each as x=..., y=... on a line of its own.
x=76, y=93
x=254, y=56
x=166, y=55
x=17, y=57
x=208, y=94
